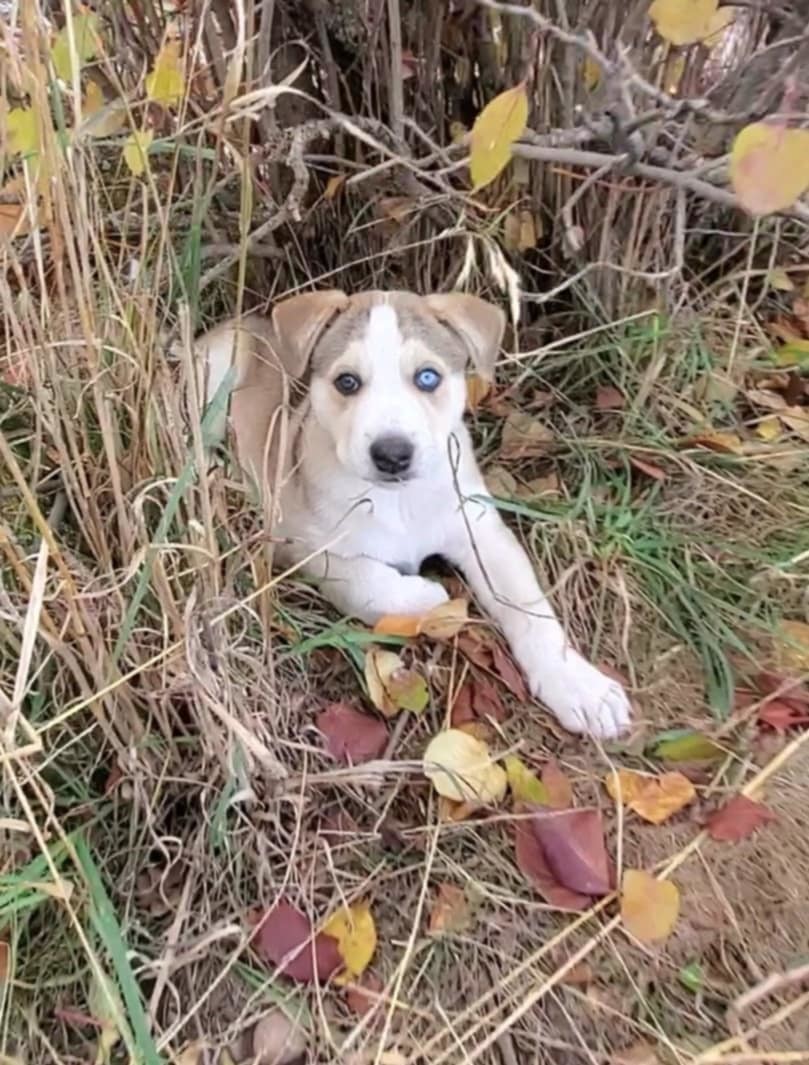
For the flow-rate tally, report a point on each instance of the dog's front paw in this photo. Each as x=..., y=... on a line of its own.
x=417, y=595
x=583, y=698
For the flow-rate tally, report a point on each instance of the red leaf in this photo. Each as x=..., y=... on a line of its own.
x=462, y=705
x=284, y=938
x=782, y=714
x=531, y=863
x=509, y=673
x=648, y=468
x=738, y=819
x=351, y=735
x=609, y=398
x=357, y=998
x=573, y=844
x=472, y=645
x=557, y=785
x=790, y=691
x=486, y=701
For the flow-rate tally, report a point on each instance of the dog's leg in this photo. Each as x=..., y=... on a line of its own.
x=364, y=588
x=503, y=581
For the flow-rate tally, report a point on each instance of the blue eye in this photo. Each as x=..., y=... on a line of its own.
x=427, y=380
x=347, y=384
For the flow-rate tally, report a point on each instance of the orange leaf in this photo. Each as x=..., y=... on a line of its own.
x=557, y=786
x=655, y=799
x=398, y=625
x=450, y=912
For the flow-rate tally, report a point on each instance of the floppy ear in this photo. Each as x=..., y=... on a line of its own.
x=299, y=321
x=479, y=324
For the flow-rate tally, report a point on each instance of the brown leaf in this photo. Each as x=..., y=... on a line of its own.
x=532, y=864
x=472, y=643
x=738, y=819
x=724, y=442
x=507, y=671
x=454, y=812
x=277, y=1040
x=486, y=701
x=609, y=398
x=525, y=437
x=792, y=646
x=573, y=846
x=648, y=468
x=333, y=186
x=5, y=961
x=557, y=786
x=363, y=994
x=781, y=716
x=580, y=975
x=351, y=735
x=284, y=937
x=450, y=911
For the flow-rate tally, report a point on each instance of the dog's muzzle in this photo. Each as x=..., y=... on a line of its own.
x=392, y=455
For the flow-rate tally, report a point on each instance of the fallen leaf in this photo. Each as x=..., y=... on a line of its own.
x=557, y=786
x=579, y=976
x=525, y=436
x=453, y=812
x=781, y=715
x=136, y=148
x=15, y=220
x=392, y=686
x=86, y=39
x=277, y=1040
x=768, y=429
x=354, y=930
x=796, y=419
x=655, y=799
x=769, y=167
x=284, y=937
x=364, y=993
x=780, y=280
x=793, y=353
x=446, y=620
x=532, y=864
x=573, y=846
x=166, y=83
x=683, y=22
x=507, y=670
x=495, y=129
x=450, y=910
x=333, y=186
x=477, y=389
x=609, y=398
x=738, y=819
x=501, y=483
x=99, y=118
x=726, y=443
x=649, y=907
x=688, y=747
x=525, y=786
x=22, y=132
x=405, y=625
x=486, y=701
x=460, y=767
x=792, y=647
x=648, y=468
x=791, y=691
x=481, y=730
x=351, y=736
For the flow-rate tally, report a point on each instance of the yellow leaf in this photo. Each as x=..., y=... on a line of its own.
x=85, y=39
x=441, y=623
x=22, y=132
x=392, y=686
x=496, y=128
x=591, y=73
x=136, y=147
x=649, y=907
x=769, y=167
x=725, y=442
x=780, y=280
x=354, y=929
x=166, y=84
x=446, y=620
x=792, y=647
x=461, y=768
x=794, y=353
x=477, y=389
x=333, y=186
x=99, y=118
x=688, y=21
x=525, y=785
x=655, y=799
x=796, y=419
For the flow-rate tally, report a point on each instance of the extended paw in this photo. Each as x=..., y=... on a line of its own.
x=583, y=698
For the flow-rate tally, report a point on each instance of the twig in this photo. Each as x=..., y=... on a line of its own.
x=396, y=95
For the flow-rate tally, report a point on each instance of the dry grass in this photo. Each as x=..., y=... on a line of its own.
x=162, y=777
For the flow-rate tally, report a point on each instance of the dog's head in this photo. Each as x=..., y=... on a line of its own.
x=387, y=372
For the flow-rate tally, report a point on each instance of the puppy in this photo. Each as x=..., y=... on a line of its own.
x=375, y=470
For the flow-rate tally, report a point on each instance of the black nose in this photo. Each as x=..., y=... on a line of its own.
x=392, y=454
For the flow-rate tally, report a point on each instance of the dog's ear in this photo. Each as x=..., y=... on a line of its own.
x=299, y=321
x=479, y=324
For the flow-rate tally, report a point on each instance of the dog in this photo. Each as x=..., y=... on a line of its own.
x=374, y=470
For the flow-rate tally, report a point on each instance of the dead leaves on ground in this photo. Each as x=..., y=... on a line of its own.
x=352, y=736
x=649, y=907
x=563, y=854
x=654, y=798
x=285, y=937
x=738, y=819
x=393, y=686
x=460, y=767
x=441, y=623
